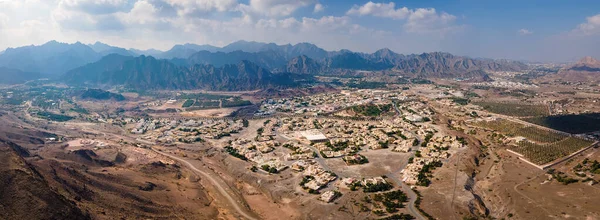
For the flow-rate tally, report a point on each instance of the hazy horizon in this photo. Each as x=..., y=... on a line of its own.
x=501, y=30
x=575, y=59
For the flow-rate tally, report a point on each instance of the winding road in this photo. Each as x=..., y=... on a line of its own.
x=412, y=196
x=215, y=183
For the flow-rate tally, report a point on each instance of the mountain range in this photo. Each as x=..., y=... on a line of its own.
x=585, y=70
x=146, y=72
x=15, y=76
x=251, y=65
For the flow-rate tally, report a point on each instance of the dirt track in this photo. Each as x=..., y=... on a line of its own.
x=215, y=183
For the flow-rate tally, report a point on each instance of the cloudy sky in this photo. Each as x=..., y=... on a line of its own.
x=537, y=30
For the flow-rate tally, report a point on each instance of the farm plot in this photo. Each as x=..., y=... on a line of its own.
x=546, y=153
x=196, y=101
x=514, y=129
x=514, y=109
x=541, y=146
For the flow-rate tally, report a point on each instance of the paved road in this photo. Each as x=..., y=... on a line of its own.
x=412, y=196
x=215, y=183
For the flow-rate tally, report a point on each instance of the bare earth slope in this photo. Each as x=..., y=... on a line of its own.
x=586, y=70
x=25, y=194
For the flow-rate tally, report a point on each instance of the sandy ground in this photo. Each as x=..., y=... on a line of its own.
x=220, y=112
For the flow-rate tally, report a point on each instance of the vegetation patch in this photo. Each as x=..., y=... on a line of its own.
x=514, y=129
x=423, y=178
x=514, y=109
x=54, y=117
x=377, y=187
x=235, y=102
x=188, y=103
x=541, y=146
x=372, y=110
x=100, y=94
x=234, y=152
x=546, y=153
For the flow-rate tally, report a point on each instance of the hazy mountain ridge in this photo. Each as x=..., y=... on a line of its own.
x=586, y=64
x=585, y=70
x=105, y=49
x=52, y=58
x=304, y=58
x=443, y=65
x=14, y=76
x=303, y=65
x=150, y=73
x=267, y=59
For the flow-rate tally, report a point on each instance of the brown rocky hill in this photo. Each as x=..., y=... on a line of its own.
x=586, y=70
x=304, y=65
x=586, y=64
x=25, y=194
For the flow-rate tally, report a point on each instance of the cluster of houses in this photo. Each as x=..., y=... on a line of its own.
x=327, y=102
x=299, y=152
x=352, y=182
x=260, y=153
x=338, y=138
x=435, y=150
x=267, y=132
x=316, y=176
x=169, y=131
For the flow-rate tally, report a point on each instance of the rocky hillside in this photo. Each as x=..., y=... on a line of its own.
x=149, y=73
x=585, y=70
x=303, y=65
x=445, y=65
x=14, y=76
x=52, y=58
x=588, y=64
x=25, y=194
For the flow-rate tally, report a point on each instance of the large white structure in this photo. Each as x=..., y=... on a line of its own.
x=313, y=135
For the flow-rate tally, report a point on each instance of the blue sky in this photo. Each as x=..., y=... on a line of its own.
x=535, y=30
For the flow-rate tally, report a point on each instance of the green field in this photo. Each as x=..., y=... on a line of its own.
x=54, y=117
x=188, y=103
x=514, y=109
x=235, y=102
x=207, y=104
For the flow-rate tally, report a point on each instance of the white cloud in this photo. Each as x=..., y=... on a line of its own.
x=318, y=8
x=142, y=13
x=524, y=31
x=379, y=10
x=427, y=20
x=95, y=6
x=72, y=19
x=3, y=20
x=420, y=20
x=273, y=8
x=187, y=7
x=162, y=23
x=591, y=27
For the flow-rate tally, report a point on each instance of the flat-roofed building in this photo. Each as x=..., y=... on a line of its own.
x=314, y=135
